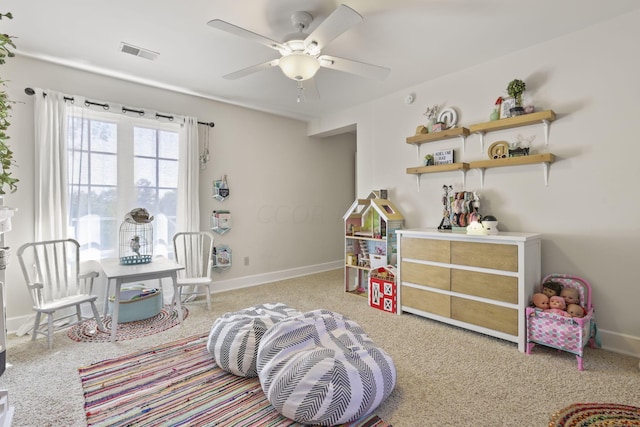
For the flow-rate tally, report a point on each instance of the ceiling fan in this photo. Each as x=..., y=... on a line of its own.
x=300, y=53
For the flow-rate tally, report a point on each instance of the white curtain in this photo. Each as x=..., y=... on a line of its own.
x=188, y=209
x=51, y=165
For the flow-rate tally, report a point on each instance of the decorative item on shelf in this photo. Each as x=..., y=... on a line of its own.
x=221, y=221
x=438, y=127
x=428, y=160
x=515, y=89
x=221, y=257
x=432, y=116
x=490, y=224
x=421, y=130
x=495, y=115
x=443, y=157
x=136, y=238
x=221, y=189
x=449, y=118
x=498, y=150
x=521, y=146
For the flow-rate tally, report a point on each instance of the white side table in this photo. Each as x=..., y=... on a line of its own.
x=156, y=269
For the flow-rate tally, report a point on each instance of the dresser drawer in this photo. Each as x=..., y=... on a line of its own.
x=485, y=285
x=431, y=302
x=427, y=275
x=426, y=249
x=486, y=315
x=485, y=255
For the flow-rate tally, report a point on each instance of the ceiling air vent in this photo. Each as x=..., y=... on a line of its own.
x=138, y=51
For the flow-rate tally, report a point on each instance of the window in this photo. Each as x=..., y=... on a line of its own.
x=115, y=164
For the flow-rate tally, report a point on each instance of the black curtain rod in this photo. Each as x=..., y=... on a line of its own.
x=29, y=91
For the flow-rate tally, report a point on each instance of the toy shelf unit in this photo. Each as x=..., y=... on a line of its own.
x=221, y=221
x=370, y=227
x=221, y=257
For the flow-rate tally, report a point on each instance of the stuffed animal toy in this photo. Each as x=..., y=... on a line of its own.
x=570, y=295
x=551, y=289
x=575, y=310
x=540, y=301
x=558, y=306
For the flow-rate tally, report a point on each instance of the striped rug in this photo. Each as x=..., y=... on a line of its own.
x=178, y=384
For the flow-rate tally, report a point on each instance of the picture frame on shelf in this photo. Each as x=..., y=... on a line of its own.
x=506, y=106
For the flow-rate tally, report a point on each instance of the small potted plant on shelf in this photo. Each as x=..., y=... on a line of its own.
x=515, y=89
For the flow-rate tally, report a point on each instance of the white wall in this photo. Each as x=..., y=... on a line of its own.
x=587, y=213
x=288, y=190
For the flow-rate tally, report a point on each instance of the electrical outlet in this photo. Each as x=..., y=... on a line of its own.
x=246, y=260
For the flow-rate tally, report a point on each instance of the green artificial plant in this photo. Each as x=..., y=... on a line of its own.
x=6, y=155
x=515, y=89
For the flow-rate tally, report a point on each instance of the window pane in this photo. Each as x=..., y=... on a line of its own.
x=168, y=176
x=168, y=144
x=145, y=141
x=144, y=172
x=78, y=133
x=104, y=169
x=104, y=136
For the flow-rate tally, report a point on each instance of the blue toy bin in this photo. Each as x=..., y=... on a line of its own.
x=137, y=303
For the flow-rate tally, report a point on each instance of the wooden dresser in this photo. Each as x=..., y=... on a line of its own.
x=481, y=283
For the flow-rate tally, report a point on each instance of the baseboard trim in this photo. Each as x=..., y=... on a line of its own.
x=261, y=279
x=620, y=343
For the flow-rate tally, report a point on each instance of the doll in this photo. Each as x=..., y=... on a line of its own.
x=558, y=306
x=551, y=289
x=540, y=301
x=570, y=295
x=575, y=310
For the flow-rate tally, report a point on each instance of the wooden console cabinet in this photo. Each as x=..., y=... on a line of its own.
x=481, y=283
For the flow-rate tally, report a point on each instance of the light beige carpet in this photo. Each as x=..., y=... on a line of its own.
x=446, y=376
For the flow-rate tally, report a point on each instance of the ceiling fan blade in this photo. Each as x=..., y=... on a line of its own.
x=354, y=67
x=337, y=23
x=250, y=70
x=250, y=35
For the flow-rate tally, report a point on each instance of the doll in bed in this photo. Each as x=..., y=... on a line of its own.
x=540, y=301
x=557, y=306
x=575, y=310
x=570, y=295
x=551, y=288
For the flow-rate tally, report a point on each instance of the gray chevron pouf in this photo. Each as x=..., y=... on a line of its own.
x=321, y=368
x=235, y=336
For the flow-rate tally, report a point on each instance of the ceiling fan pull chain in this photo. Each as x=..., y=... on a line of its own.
x=300, y=91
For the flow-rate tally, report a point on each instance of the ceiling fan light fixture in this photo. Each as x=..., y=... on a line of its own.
x=299, y=66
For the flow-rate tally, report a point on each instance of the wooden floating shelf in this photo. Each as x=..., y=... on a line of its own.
x=513, y=161
x=437, y=136
x=512, y=122
x=438, y=168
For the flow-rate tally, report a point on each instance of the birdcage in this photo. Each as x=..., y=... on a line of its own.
x=136, y=239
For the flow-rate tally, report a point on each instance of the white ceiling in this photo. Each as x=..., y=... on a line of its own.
x=418, y=40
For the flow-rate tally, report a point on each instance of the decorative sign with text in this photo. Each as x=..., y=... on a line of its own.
x=443, y=157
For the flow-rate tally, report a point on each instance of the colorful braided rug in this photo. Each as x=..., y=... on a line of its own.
x=596, y=415
x=179, y=384
x=87, y=331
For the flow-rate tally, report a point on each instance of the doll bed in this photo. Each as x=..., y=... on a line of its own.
x=569, y=334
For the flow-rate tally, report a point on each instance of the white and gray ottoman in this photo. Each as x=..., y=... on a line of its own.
x=321, y=368
x=235, y=336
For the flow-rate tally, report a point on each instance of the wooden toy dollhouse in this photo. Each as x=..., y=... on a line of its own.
x=370, y=239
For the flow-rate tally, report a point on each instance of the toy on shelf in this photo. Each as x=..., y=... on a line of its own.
x=382, y=289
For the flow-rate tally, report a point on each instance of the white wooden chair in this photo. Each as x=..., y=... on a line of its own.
x=51, y=270
x=193, y=250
